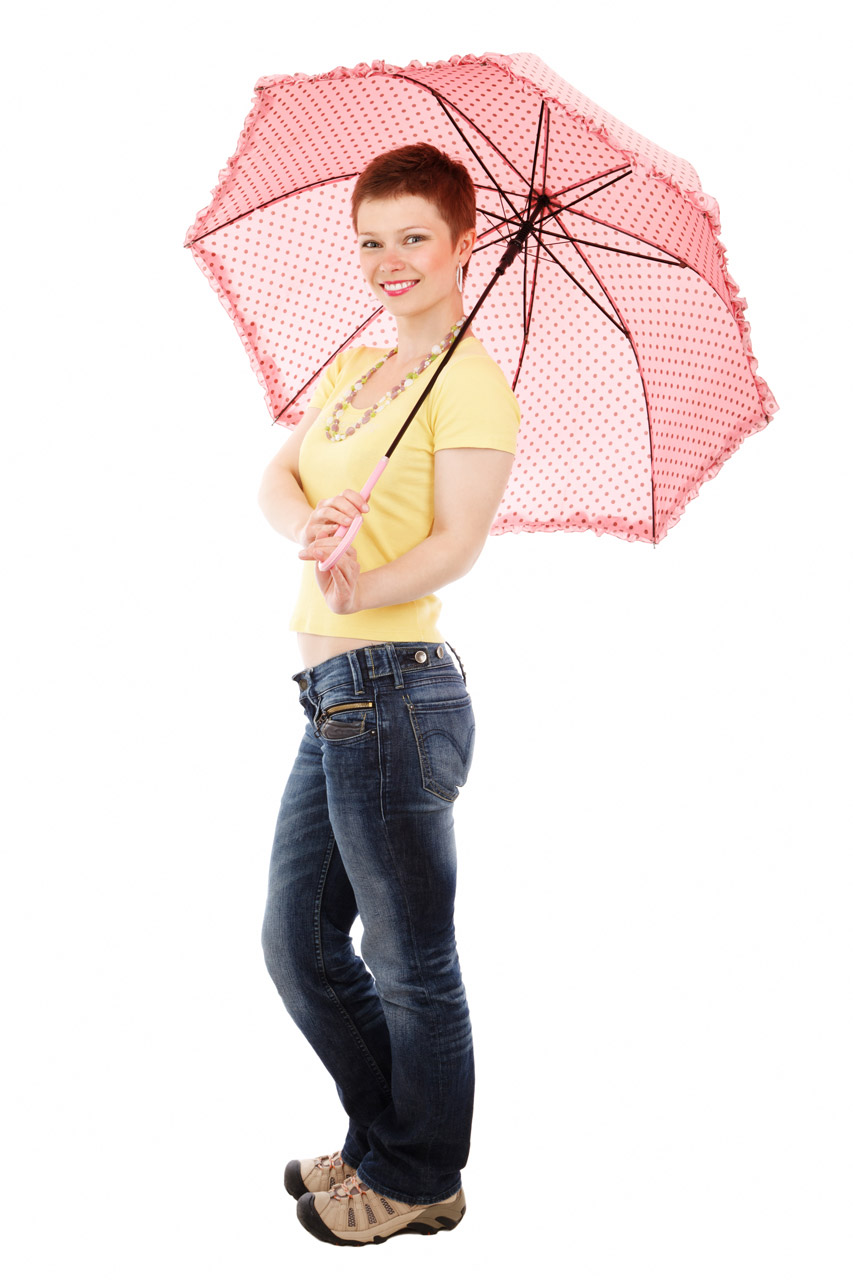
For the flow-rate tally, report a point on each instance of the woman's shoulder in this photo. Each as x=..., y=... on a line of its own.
x=471, y=352
x=348, y=364
x=472, y=364
x=471, y=348
x=343, y=367
x=350, y=357
x=473, y=405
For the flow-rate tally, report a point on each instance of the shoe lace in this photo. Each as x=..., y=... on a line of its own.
x=349, y=1188
x=334, y=1161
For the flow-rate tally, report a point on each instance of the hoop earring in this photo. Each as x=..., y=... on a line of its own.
x=459, y=276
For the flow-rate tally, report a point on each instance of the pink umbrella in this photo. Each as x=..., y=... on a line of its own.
x=607, y=302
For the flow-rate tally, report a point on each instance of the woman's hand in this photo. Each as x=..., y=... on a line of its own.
x=339, y=584
x=331, y=512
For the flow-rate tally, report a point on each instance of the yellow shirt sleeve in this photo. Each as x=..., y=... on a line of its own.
x=328, y=379
x=473, y=406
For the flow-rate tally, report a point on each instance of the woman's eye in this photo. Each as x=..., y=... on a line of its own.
x=416, y=237
x=369, y=244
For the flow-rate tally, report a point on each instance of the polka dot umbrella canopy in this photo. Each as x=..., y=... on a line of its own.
x=610, y=308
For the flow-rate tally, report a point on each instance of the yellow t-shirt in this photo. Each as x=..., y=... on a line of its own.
x=470, y=406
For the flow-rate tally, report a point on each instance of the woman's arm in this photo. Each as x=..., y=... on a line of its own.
x=280, y=496
x=469, y=485
x=284, y=504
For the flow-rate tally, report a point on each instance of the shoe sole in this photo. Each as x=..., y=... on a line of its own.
x=428, y=1224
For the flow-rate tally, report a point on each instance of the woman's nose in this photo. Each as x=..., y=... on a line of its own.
x=392, y=261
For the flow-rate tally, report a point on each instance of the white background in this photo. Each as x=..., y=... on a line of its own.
x=654, y=875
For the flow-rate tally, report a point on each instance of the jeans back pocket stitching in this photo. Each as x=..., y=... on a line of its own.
x=429, y=782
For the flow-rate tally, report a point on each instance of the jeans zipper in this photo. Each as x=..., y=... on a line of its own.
x=342, y=706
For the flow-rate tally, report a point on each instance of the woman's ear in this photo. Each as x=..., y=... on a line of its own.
x=466, y=244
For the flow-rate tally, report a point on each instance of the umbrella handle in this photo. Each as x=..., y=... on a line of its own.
x=347, y=533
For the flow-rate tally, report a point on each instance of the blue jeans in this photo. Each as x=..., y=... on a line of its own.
x=365, y=828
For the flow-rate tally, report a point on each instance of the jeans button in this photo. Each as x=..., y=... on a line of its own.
x=439, y=653
x=303, y=684
x=420, y=656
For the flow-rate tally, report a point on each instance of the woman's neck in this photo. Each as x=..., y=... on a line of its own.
x=418, y=335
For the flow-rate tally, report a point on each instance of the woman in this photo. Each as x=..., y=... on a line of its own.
x=365, y=825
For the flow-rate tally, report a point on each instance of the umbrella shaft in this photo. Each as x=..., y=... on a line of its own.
x=513, y=249
x=516, y=244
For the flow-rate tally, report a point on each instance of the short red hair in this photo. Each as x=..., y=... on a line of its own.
x=421, y=170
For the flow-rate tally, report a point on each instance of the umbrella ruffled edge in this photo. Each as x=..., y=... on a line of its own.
x=198, y=226
x=671, y=521
x=710, y=472
x=244, y=338
x=379, y=67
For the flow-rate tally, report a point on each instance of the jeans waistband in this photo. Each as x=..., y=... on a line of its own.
x=374, y=661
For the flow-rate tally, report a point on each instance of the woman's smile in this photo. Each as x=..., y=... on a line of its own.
x=398, y=286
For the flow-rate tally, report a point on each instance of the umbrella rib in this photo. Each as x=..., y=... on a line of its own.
x=533, y=167
x=483, y=186
x=496, y=222
x=499, y=222
x=495, y=184
x=528, y=308
x=567, y=238
x=445, y=105
x=586, y=195
x=627, y=333
x=573, y=186
x=584, y=291
x=528, y=303
x=523, y=308
x=631, y=235
x=601, y=222
x=545, y=156
x=324, y=182
x=356, y=331
x=625, y=330
x=487, y=244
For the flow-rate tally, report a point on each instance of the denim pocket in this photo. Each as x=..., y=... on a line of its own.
x=343, y=721
x=444, y=733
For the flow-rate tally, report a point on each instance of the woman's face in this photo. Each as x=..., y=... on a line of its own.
x=407, y=255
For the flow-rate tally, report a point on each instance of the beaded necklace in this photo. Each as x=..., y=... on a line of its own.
x=331, y=428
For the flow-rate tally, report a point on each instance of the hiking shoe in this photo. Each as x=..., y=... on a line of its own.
x=322, y=1174
x=353, y=1214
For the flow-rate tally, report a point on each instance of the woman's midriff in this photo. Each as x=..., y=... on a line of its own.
x=317, y=649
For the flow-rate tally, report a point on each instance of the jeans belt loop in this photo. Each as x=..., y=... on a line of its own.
x=395, y=666
x=357, y=686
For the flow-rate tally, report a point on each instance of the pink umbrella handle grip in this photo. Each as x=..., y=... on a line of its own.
x=347, y=534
